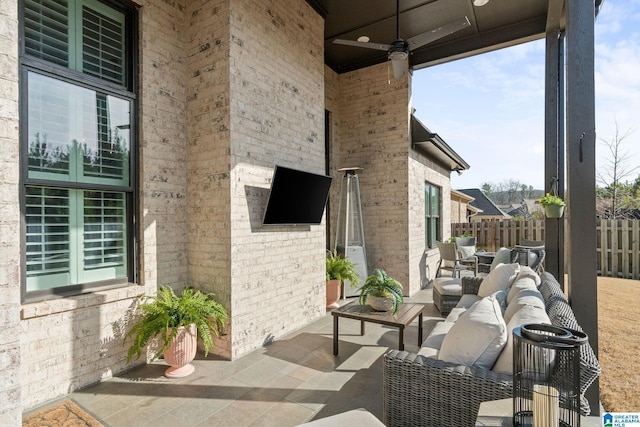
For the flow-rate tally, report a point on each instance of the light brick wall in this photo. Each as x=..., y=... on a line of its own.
x=72, y=342
x=277, y=117
x=370, y=129
x=424, y=261
x=372, y=121
x=10, y=410
x=255, y=100
x=208, y=124
x=163, y=149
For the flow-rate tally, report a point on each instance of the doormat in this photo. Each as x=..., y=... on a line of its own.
x=63, y=414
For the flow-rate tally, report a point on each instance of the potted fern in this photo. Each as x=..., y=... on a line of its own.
x=178, y=322
x=381, y=291
x=338, y=270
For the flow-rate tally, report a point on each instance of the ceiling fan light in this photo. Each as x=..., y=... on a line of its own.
x=363, y=39
x=480, y=2
x=398, y=68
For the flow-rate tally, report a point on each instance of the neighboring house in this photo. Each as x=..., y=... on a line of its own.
x=141, y=154
x=525, y=209
x=461, y=208
x=487, y=209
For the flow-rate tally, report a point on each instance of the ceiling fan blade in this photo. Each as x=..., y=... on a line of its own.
x=438, y=33
x=398, y=66
x=368, y=45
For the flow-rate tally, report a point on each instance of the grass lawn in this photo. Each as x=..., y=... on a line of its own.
x=619, y=343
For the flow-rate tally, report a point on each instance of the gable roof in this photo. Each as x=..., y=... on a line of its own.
x=483, y=203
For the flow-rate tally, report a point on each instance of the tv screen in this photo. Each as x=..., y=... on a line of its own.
x=296, y=197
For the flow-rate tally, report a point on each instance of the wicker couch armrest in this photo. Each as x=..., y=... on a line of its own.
x=470, y=285
x=424, y=391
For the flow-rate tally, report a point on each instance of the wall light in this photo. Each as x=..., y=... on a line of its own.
x=480, y=2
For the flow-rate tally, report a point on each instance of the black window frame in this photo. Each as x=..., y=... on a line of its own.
x=128, y=92
x=429, y=216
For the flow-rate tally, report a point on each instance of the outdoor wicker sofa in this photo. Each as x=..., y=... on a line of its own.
x=425, y=391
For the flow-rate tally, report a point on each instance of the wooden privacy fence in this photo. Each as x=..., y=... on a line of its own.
x=617, y=241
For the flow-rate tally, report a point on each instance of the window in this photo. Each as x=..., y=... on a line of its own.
x=77, y=146
x=432, y=228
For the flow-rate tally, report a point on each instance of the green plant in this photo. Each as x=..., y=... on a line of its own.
x=381, y=285
x=452, y=239
x=163, y=314
x=341, y=268
x=550, y=199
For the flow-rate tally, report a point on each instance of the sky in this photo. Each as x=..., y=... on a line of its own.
x=496, y=100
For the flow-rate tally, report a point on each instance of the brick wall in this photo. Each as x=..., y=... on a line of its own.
x=424, y=261
x=370, y=129
x=10, y=411
x=255, y=100
x=72, y=342
x=373, y=127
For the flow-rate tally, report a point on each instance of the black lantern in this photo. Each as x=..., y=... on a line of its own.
x=546, y=376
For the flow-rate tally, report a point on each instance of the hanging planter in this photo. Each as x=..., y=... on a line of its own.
x=554, y=211
x=552, y=203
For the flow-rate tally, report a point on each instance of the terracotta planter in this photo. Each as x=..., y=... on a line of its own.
x=182, y=352
x=554, y=211
x=380, y=303
x=333, y=293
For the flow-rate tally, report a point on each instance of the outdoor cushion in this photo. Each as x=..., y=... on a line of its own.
x=503, y=256
x=526, y=314
x=465, y=302
x=477, y=337
x=498, y=279
x=466, y=251
x=448, y=285
x=526, y=271
x=520, y=284
x=435, y=338
x=526, y=297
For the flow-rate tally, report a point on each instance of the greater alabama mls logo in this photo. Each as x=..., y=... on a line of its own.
x=621, y=419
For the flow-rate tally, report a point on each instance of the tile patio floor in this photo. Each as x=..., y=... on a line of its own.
x=293, y=380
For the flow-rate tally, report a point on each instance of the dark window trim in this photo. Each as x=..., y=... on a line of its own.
x=28, y=63
x=429, y=217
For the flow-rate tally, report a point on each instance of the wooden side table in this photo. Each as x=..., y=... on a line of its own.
x=364, y=313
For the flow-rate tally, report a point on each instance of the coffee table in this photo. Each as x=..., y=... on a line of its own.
x=364, y=313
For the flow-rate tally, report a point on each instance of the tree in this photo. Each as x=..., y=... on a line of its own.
x=611, y=176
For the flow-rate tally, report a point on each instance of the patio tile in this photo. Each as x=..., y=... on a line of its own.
x=293, y=380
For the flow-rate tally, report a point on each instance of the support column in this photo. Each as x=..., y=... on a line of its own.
x=581, y=178
x=554, y=148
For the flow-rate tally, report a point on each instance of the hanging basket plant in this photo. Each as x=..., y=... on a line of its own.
x=553, y=205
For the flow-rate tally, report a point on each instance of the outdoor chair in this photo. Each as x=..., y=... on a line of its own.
x=530, y=256
x=533, y=243
x=450, y=260
x=466, y=247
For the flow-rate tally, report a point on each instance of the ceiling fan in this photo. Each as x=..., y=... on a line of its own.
x=398, y=51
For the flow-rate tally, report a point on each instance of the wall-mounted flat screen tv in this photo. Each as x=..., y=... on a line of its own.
x=296, y=197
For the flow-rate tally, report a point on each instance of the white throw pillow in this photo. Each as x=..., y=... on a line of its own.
x=466, y=251
x=477, y=337
x=498, y=279
x=527, y=314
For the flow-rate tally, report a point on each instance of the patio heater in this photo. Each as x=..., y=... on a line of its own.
x=349, y=231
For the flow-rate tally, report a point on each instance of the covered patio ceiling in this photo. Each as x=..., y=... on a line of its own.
x=494, y=25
